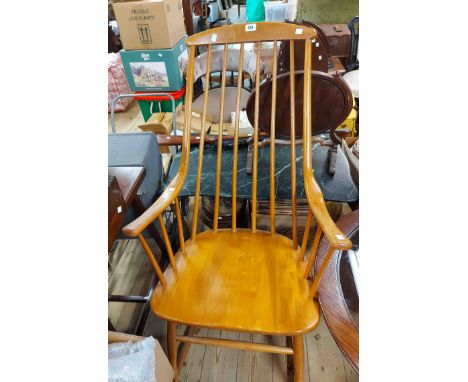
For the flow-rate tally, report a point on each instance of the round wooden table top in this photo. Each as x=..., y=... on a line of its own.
x=338, y=293
x=332, y=101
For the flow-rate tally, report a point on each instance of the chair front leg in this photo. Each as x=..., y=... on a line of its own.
x=172, y=348
x=298, y=358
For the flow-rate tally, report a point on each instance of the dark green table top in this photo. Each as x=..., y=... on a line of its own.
x=338, y=187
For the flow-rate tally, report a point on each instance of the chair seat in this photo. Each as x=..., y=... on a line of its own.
x=240, y=281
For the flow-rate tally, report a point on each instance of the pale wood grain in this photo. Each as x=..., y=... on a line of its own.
x=123, y=278
x=325, y=358
x=115, y=256
x=207, y=372
x=278, y=360
x=127, y=121
x=193, y=365
x=131, y=311
x=231, y=281
x=253, y=366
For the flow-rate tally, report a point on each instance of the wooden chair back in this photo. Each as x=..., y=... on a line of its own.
x=241, y=34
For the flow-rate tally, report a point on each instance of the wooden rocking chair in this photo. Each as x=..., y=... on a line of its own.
x=235, y=279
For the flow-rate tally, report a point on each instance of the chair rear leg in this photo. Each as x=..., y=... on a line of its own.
x=289, y=360
x=298, y=358
x=172, y=348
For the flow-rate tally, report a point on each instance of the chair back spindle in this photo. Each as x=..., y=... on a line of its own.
x=201, y=147
x=293, y=144
x=236, y=139
x=247, y=33
x=272, y=140
x=220, y=140
x=255, y=142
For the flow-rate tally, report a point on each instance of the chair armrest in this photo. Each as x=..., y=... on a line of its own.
x=137, y=226
x=335, y=237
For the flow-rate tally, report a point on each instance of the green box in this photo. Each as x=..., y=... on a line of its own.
x=155, y=70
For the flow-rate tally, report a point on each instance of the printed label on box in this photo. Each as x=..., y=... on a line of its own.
x=144, y=33
x=149, y=74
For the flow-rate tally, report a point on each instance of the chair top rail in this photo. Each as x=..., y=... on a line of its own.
x=252, y=32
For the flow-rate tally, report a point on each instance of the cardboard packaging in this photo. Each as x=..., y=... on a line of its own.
x=164, y=371
x=196, y=122
x=156, y=70
x=149, y=24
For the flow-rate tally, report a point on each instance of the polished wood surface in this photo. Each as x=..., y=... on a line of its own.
x=115, y=210
x=220, y=139
x=251, y=32
x=188, y=18
x=298, y=359
x=201, y=146
x=255, y=143
x=273, y=138
x=320, y=53
x=312, y=189
x=242, y=279
x=129, y=179
x=330, y=295
x=292, y=133
x=236, y=140
x=331, y=97
x=172, y=347
x=238, y=281
x=236, y=344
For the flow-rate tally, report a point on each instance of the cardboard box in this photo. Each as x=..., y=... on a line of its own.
x=156, y=70
x=196, y=121
x=159, y=123
x=164, y=371
x=149, y=24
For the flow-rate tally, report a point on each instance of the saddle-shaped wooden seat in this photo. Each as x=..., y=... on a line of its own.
x=238, y=281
